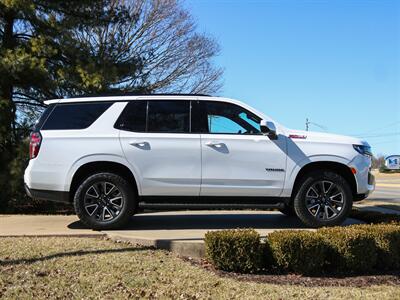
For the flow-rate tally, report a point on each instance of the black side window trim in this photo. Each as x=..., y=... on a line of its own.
x=198, y=116
x=146, y=128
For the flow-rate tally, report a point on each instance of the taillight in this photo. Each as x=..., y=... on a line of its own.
x=34, y=144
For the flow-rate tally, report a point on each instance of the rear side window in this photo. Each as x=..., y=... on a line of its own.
x=163, y=116
x=133, y=118
x=75, y=115
x=168, y=116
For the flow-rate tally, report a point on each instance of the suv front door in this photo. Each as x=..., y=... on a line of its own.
x=157, y=141
x=237, y=159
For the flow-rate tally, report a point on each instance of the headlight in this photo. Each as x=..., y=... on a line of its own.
x=363, y=149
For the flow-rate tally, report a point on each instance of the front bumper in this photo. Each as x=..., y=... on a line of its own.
x=364, y=179
x=370, y=188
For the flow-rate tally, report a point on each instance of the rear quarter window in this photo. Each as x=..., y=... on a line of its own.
x=43, y=117
x=74, y=115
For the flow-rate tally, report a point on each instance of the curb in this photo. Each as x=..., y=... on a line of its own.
x=188, y=248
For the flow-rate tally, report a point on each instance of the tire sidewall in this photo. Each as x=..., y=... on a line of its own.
x=126, y=191
x=300, y=199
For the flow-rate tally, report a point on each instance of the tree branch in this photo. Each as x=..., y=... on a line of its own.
x=29, y=103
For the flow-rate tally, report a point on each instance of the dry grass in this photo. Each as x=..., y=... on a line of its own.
x=52, y=268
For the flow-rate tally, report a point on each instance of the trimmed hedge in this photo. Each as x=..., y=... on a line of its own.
x=351, y=250
x=235, y=250
x=346, y=250
x=296, y=251
x=387, y=241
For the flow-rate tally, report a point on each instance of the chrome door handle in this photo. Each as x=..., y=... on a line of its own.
x=139, y=144
x=214, y=144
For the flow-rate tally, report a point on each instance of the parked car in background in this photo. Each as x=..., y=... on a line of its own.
x=111, y=155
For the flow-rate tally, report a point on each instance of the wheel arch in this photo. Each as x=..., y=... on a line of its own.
x=336, y=167
x=93, y=167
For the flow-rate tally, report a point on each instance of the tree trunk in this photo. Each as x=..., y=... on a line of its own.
x=7, y=118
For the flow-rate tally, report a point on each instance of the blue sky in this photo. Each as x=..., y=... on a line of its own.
x=334, y=62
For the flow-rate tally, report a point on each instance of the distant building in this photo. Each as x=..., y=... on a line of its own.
x=392, y=162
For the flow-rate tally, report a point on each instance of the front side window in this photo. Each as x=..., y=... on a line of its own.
x=169, y=116
x=228, y=118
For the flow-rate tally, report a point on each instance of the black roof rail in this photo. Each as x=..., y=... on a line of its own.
x=116, y=94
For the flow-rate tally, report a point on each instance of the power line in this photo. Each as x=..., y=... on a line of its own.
x=377, y=129
x=380, y=135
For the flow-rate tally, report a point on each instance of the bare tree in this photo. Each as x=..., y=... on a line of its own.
x=378, y=161
x=127, y=45
x=170, y=55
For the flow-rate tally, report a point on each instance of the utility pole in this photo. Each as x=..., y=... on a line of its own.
x=308, y=122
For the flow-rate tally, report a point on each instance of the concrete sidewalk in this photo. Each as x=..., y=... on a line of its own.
x=181, y=231
x=42, y=225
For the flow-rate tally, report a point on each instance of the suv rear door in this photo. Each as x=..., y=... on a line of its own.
x=237, y=159
x=157, y=141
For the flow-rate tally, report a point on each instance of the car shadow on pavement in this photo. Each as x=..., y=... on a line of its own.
x=390, y=206
x=187, y=220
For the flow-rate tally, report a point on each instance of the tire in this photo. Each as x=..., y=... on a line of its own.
x=288, y=210
x=105, y=201
x=318, y=204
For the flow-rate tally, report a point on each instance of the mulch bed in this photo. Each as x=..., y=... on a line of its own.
x=388, y=278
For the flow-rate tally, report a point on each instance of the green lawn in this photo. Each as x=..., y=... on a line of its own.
x=95, y=268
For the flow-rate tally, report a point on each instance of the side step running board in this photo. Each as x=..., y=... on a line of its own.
x=201, y=206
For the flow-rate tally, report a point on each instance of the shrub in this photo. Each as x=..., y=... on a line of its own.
x=346, y=250
x=237, y=250
x=374, y=217
x=387, y=240
x=297, y=251
x=351, y=250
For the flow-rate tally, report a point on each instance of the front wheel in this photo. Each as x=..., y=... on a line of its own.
x=104, y=201
x=324, y=199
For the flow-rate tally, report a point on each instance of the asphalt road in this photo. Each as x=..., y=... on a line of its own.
x=387, y=189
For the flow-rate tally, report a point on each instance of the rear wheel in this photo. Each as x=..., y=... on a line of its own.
x=324, y=199
x=104, y=201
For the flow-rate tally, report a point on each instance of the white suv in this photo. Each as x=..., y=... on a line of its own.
x=110, y=156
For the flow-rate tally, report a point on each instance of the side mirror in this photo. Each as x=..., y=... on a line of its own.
x=268, y=128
